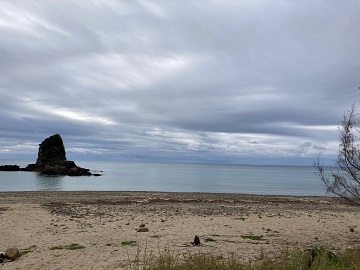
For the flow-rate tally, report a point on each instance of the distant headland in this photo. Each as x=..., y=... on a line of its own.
x=52, y=160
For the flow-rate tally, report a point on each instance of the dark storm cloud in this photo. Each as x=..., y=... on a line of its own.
x=206, y=81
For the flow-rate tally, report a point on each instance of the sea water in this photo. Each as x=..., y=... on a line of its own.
x=173, y=177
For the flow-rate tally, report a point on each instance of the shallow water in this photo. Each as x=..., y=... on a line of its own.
x=173, y=177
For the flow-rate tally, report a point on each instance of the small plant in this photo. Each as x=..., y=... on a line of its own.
x=27, y=250
x=69, y=247
x=56, y=248
x=128, y=243
x=323, y=251
x=253, y=237
x=209, y=239
x=74, y=247
x=321, y=255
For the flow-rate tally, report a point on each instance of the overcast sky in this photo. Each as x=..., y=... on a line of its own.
x=263, y=82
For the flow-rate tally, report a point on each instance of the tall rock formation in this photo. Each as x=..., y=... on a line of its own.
x=52, y=160
x=51, y=151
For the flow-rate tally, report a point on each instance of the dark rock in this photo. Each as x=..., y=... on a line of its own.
x=51, y=151
x=143, y=229
x=53, y=170
x=29, y=168
x=78, y=171
x=12, y=253
x=142, y=225
x=69, y=164
x=52, y=160
x=197, y=241
x=10, y=168
x=4, y=258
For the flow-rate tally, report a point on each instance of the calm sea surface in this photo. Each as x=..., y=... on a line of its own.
x=117, y=176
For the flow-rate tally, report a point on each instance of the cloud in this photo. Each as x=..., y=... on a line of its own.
x=308, y=146
x=217, y=81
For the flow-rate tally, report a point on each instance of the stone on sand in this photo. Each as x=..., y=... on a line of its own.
x=12, y=253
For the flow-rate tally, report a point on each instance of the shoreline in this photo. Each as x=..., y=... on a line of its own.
x=102, y=221
x=35, y=194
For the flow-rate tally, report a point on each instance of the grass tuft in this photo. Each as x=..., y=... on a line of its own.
x=253, y=237
x=69, y=247
x=209, y=239
x=56, y=248
x=286, y=260
x=128, y=243
x=27, y=250
x=74, y=247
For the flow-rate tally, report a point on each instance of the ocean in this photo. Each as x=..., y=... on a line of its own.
x=173, y=177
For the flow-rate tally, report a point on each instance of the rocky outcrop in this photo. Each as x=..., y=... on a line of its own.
x=9, y=168
x=52, y=160
x=51, y=152
x=66, y=168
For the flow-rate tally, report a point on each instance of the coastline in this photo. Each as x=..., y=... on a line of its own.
x=93, y=196
x=102, y=221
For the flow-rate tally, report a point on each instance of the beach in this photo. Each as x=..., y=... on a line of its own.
x=105, y=226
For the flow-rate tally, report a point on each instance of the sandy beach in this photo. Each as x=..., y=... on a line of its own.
x=106, y=224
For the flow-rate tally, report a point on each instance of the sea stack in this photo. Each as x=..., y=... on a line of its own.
x=52, y=159
x=51, y=152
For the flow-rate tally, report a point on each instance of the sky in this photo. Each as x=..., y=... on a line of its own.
x=239, y=82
